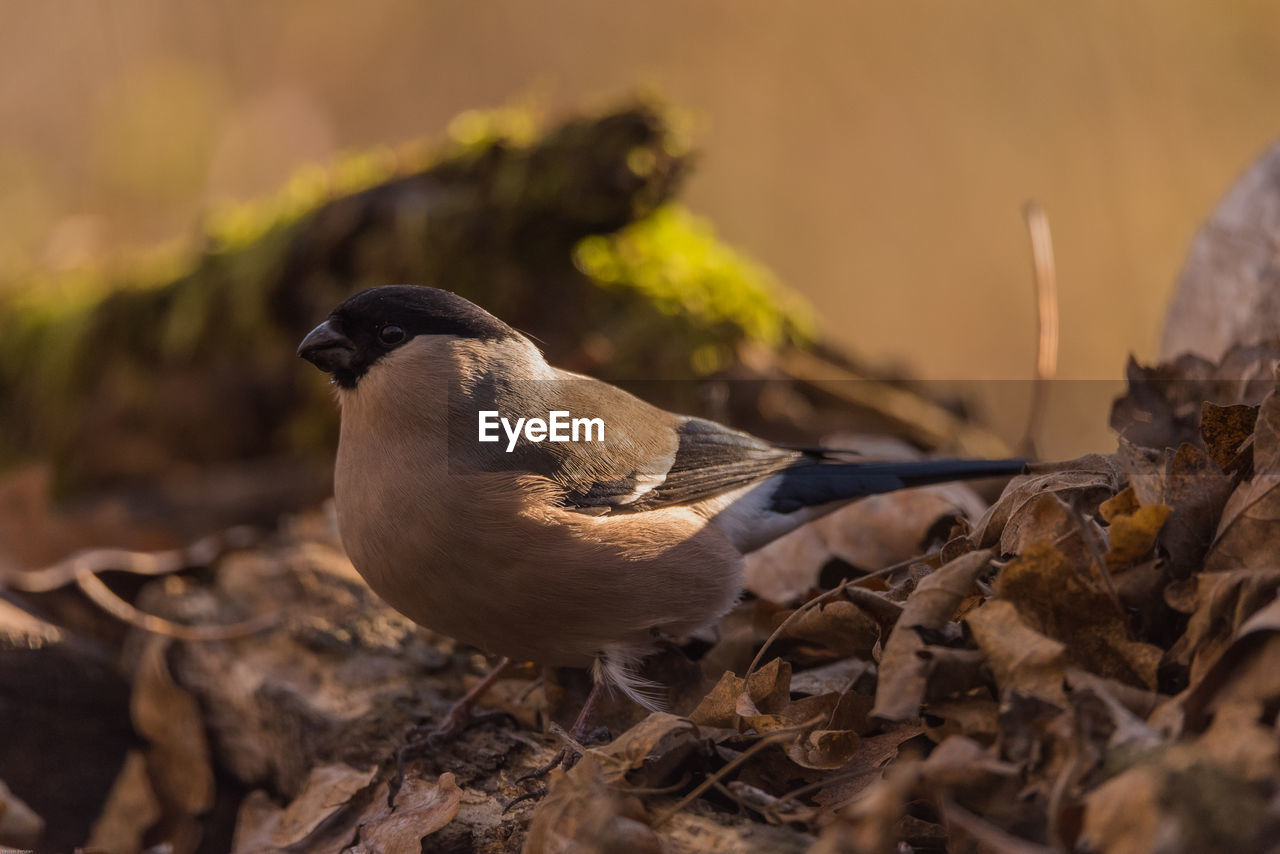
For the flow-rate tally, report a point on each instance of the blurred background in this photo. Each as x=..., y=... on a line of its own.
x=874, y=155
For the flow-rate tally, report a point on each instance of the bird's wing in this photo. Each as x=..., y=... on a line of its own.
x=711, y=459
x=707, y=459
x=648, y=458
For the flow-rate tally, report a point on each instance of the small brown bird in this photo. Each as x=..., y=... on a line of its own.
x=543, y=515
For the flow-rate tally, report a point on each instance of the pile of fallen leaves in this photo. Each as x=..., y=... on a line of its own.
x=1091, y=664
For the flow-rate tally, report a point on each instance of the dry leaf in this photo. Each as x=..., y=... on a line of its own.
x=767, y=692
x=836, y=677
x=1021, y=658
x=963, y=769
x=987, y=836
x=1030, y=730
x=20, y=826
x=582, y=815
x=1139, y=702
x=256, y=819
x=322, y=819
x=130, y=809
x=419, y=810
x=329, y=788
x=1197, y=490
x=871, y=821
x=1104, y=724
x=1225, y=428
x=1124, y=816
x=1058, y=600
x=1192, y=797
x=1132, y=528
x=659, y=744
x=1219, y=604
x=824, y=749
x=1250, y=522
x=1081, y=483
x=1044, y=518
x=1247, y=673
x=1163, y=404
x=903, y=672
x=720, y=707
x=170, y=719
x=840, y=627
x=974, y=717
x=872, y=753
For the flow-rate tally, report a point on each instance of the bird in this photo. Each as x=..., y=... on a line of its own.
x=568, y=553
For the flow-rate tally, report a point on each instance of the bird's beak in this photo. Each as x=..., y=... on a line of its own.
x=328, y=349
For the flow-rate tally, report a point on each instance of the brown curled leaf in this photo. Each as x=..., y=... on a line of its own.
x=903, y=672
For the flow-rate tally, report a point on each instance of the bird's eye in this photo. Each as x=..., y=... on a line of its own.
x=391, y=334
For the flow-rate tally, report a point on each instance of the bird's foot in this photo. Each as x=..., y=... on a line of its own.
x=566, y=757
x=425, y=737
x=570, y=752
x=458, y=719
x=461, y=715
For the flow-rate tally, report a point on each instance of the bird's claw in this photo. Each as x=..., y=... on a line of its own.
x=455, y=721
x=566, y=757
x=570, y=752
x=423, y=737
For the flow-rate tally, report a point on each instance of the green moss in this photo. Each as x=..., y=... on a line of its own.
x=478, y=129
x=185, y=355
x=236, y=226
x=674, y=261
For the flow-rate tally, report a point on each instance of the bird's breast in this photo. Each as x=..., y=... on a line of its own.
x=490, y=559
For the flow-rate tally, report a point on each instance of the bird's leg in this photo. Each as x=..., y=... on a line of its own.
x=571, y=751
x=454, y=721
x=462, y=712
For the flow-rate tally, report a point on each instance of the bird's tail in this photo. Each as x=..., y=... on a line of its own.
x=822, y=483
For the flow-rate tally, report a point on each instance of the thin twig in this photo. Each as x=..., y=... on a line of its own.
x=988, y=836
x=774, y=737
x=1046, y=284
x=883, y=610
x=891, y=569
x=200, y=553
x=82, y=569
x=743, y=806
x=1058, y=794
x=1098, y=555
x=107, y=600
x=834, y=778
x=791, y=618
x=830, y=595
x=660, y=790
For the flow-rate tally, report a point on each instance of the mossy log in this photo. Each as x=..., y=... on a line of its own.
x=177, y=367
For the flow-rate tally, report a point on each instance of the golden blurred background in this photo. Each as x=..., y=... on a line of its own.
x=876, y=154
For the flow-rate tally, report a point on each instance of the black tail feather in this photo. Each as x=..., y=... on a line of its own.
x=811, y=485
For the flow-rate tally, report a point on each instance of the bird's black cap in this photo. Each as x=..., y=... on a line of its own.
x=374, y=322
